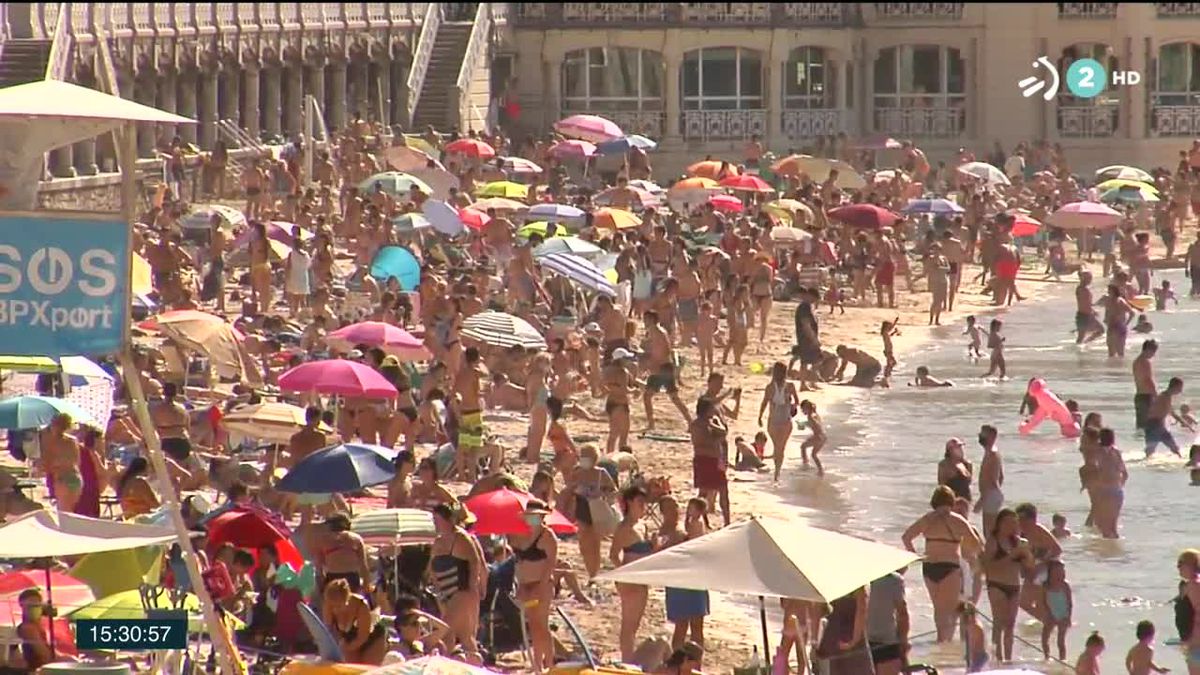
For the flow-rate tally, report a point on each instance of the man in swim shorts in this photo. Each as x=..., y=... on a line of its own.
x=660, y=364
x=1160, y=409
x=1143, y=382
x=866, y=367
x=471, y=431
x=991, y=479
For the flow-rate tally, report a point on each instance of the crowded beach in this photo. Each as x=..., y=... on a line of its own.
x=454, y=401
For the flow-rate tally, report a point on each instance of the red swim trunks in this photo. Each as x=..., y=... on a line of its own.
x=886, y=274
x=708, y=473
x=1007, y=269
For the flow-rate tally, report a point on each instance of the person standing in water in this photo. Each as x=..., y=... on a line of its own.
x=1162, y=407
x=1143, y=382
x=995, y=343
x=1187, y=607
x=1117, y=315
x=1087, y=326
x=991, y=478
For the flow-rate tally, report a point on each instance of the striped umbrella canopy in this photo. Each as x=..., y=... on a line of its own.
x=470, y=147
x=500, y=329
x=395, y=183
x=554, y=213
x=572, y=149
x=519, y=166
x=580, y=270
x=1124, y=172
x=592, y=128
x=410, y=222
x=621, y=146
x=932, y=206
x=1114, y=183
x=1129, y=195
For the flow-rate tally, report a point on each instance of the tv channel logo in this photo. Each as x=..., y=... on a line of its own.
x=1086, y=78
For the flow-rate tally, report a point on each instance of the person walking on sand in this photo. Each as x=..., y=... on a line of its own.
x=780, y=395
x=660, y=364
x=946, y=535
x=1143, y=383
x=1087, y=326
x=991, y=478
x=710, y=455
x=630, y=543
x=815, y=442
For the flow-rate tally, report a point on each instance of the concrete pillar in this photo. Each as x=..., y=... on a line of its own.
x=251, y=88
x=673, y=101
x=146, y=93
x=398, y=75
x=774, y=84
x=337, y=95
x=230, y=103
x=385, y=92
x=85, y=158
x=272, y=107
x=314, y=84
x=864, y=82
x=208, y=109
x=187, y=105
x=842, y=70
x=359, y=86
x=293, y=109
x=168, y=83
x=62, y=162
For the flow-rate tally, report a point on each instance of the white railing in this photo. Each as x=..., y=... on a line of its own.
x=59, y=63
x=1087, y=10
x=422, y=56
x=946, y=122
x=1087, y=121
x=901, y=11
x=475, y=53
x=1176, y=120
x=727, y=12
x=812, y=122
x=605, y=12
x=706, y=124
x=1175, y=10
x=648, y=123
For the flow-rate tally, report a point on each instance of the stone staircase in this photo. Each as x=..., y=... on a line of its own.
x=435, y=106
x=23, y=60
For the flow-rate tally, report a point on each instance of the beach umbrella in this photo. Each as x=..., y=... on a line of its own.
x=69, y=592
x=985, y=172
x=746, y=183
x=347, y=467
x=271, y=421
x=499, y=513
x=499, y=329
x=568, y=245
x=211, y=336
x=440, y=180
x=253, y=527
x=1116, y=183
x=404, y=158
x=819, y=169
x=1085, y=215
x=792, y=165
x=399, y=263
x=939, y=206
x=417, y=142
x=580, y=270
x=337, y=376
x=111, y=572
x=867, y=216
x=713, y=169
x=789, y=235
x=36, y=412
x=474, y=219
x=592, y=128
x=394, y=183
x=200, y=217
x=878, y=142
x=647, y=185
x=615, y=219
x=886, y=176
x=429, y=665
x=620, y=146
x=443, y=217
x=1129, y=195
x=554, y=213
x=1124, y=172
x=1024, y=225
x=572, y=149
x=81, y=370
x=391, y=339
x=499, y=205
x=543, y=229
x=642, y=199
x=696, y=183
x=519, y=166
x=504, y=188
x=410, y=222
x=129, y=605
x=727, y=204
x=395, y=526
x=470, y=147
x=787, y=209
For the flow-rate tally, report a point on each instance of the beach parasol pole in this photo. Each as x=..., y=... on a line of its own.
x=50, y=606
x=762, y=615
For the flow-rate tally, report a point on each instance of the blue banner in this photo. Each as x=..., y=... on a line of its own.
x=64, y=283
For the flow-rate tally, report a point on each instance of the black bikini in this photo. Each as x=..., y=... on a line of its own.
x=937, y=571
x=532, y=553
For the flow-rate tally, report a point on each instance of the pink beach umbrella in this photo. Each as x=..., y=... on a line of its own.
x=392, y=339
x=519, y=166
x=727, y=204
x=572, y=149
x=1085, y=215
x=343, y=378
x=589, y=128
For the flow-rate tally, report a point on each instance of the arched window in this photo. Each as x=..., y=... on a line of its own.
x=612, y=79
x=1086, y=117
x=808, y=79
x=723, y=78
x=1084, y=50
x=920, y=90
x=1177, y=81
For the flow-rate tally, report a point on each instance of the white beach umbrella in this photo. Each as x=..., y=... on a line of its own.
x=499, y=329
x=985, y=172
x=568, y=245
x=580, y=270
x=1124, y=172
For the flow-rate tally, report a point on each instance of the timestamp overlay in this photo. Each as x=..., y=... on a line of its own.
x=131, y=634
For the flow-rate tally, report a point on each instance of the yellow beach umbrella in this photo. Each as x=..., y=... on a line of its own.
x=417, y=143
x=504, y=188
x=696, y=183
x=1124, y=183
x=788, y=208
x=142, y=276
x=541, y=227
x=615, y=219
x=113, y=572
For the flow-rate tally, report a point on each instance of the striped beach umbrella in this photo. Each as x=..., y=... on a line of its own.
x=573, y=149
x=931, y=206
x=569, y=246
x=592, y=128
x=503, y=330
x=580, y=270
x=621, y=146
x=519, y=166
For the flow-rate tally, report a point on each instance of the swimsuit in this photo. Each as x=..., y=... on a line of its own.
x=1141, y=405
x=1010, y=591
x=450, y=575
x=664, y=379
x=611, y=405
x=1156, y=432
x=470, y=430
x=937, y=571
x=1056, y=602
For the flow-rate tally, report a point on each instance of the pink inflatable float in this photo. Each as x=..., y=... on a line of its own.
x=1051, y=406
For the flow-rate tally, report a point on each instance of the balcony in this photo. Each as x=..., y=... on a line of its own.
x=683, y=15
x=812, y=122
x=1087, y=121
x=1175, y=120
x=941, y=122
x=918, y=11
x=703, y=125
x=727, y=13
x=1087, y=10
x=649, y=123
x=1177, y=10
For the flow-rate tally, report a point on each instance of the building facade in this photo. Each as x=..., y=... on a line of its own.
x=703, y=77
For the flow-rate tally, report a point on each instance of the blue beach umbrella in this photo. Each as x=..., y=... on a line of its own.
x=444, y=218
x=621, y=146
x=35, y=412
x=932, y=206
x=398, y=262
x=347, y=467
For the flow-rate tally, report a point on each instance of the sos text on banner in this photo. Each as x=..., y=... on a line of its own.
x=64, y=283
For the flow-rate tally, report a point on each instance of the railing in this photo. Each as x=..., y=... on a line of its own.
x=905, y=11
x=1176, y=10
x=729, y=13
x=422, y=56
x=605, y=12
x=811, y=122
x=476, y=52
x=946, y=122
x=1175, y=120
x=818, y=13
x=649, y=123
x=716, y=124
x=59, y=63
x=1087, y=10
x=1088, y=121
x=706, y=14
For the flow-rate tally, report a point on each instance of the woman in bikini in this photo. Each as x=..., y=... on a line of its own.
x=173, y=423
x=946, y=535
x=459, y=576
x=342, y=554
x=780, y=395
x=399, y=492
x=404, y=420
x=134, y=492
x=617, y=380
x=955, y=470
x=584, y=483
x=539, y=391
x=361, y=637
x=428, y=493
x=1005, y=557
x=261, y=292
x=537, y=556
x=60, y=457
x=630, y=543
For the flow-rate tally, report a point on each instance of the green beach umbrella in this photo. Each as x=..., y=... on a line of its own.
x=1129, y=195
x=541, y=227
x=128, y=605
x=394, y=183
x=504, y=188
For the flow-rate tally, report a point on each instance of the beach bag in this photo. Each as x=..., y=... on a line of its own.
x=605, y=516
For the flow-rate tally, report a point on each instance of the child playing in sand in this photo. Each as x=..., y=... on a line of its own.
x=817, y=440
x=1056, y=598
x=706, y=331
x=835, y=296
x=976, y=335
x=995, y=343
x=1162, y=294
x=1060, y=529
x=976, y=643
x=1089, y=660
x=1140, y=659
x=886, y=331
x=1143, y=325
x=747, y=458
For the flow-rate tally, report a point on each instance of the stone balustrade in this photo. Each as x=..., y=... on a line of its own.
x=682, y=14
x=1087, y=10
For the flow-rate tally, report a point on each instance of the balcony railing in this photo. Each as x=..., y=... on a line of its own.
x=727, y=13
x=942, y=122
x=706, y=14
x=919, y=11
x=1089, y=121
x=718, y=124
x=1175, y=120
x=648, y=123
x=812, y=122
x=608, y=12
x=1087, y=10
x=1177, y=10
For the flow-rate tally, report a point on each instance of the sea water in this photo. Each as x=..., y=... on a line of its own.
x=886, y=445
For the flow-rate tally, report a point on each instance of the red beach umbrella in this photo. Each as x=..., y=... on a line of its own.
x=727, y=204
x=499, y=512
x=866, y=216
x=470, y=147
x=747, y=183
x=336, y=376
